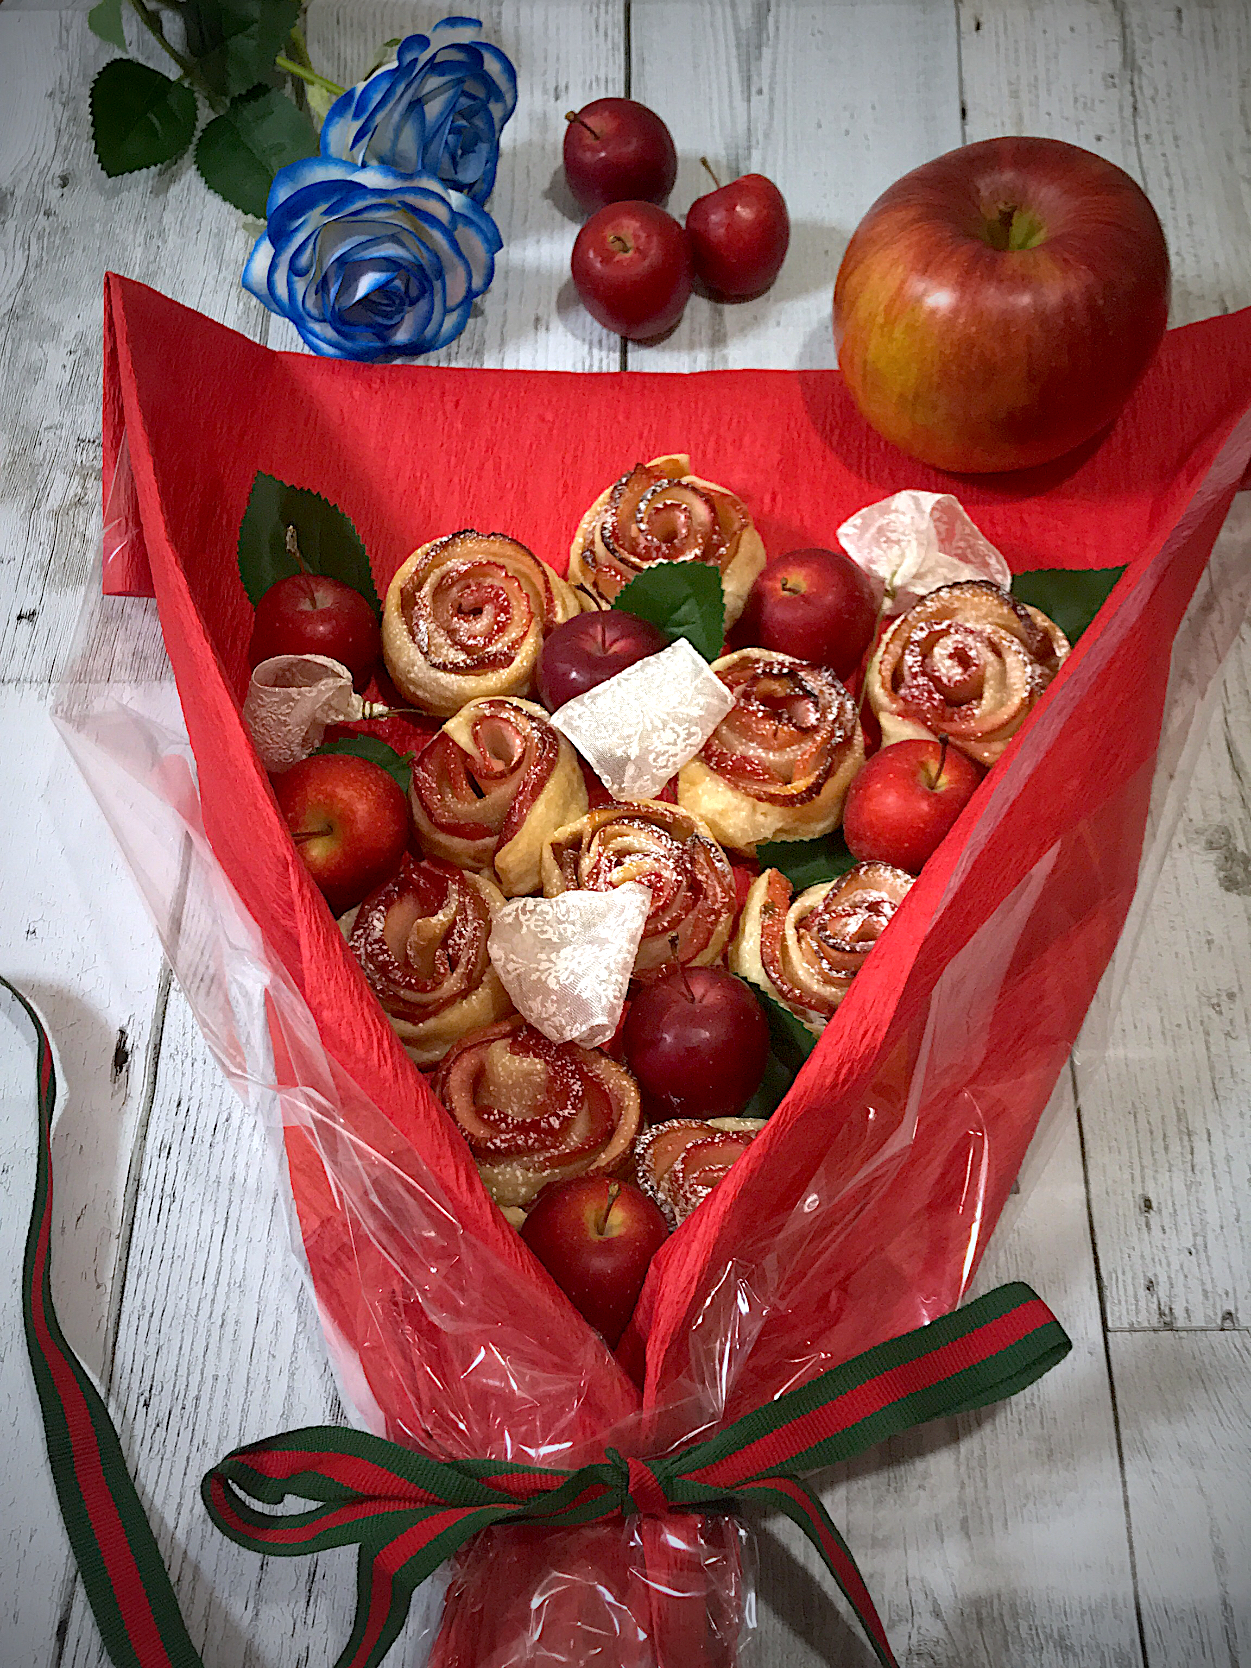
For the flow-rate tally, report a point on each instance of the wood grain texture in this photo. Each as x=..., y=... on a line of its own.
x=1163, y=92
x=832, y=102
x=565, y=54
x=996, y=1540
x=1186, y=1422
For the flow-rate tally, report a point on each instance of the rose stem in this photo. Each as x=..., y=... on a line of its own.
x=712, y=176
x=573, y=116
x=311, y=76
x=614, y=1189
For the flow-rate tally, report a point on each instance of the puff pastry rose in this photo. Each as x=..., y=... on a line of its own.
x=778, y=766
x=422, y=942
x=673, y=854
x=465, y=617
x=679, y=1162
x=967, y=662
x=805, y=951
x=535, y=1111
x=660, y=512
x=489, y=789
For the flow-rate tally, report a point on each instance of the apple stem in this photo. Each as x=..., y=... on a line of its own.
x=312, y=834
x=937, y=777
x=619, y=243
x=711, y=175
x=293, y=550
x=573, y=116
x=792, y=590
x=614, y=1193
x=600, y=605
x=686, y=983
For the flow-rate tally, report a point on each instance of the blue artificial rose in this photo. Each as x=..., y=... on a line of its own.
x=368, y=263
x=438, y=109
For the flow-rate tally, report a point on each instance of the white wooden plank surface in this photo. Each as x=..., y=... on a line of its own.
x=1010, y=1547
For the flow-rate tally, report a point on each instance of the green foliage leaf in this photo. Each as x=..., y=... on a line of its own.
x=790, y=1044
x=105, y=20
x=399, y=765
x=384, y=55
x=239, y=152
x=1069, y=596
x=139, y=117
x=807, y=862
x=684, y=599
x=326, y=538
x=235, y=42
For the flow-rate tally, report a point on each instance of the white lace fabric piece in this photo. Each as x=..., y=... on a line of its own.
x=290, y=701
x=566, y=961
x=913, y=542
x=639, y=728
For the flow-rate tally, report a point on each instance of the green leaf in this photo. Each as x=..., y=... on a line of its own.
x=399, y=765
x=807, y=862
x=239, y=152
x=139, y=117
x=790, y=1044
x=1069, y=596
x=684, y=599
x=105, y=20
x=326, y=538
x=384, y=56
x=235, y=42
x=773, y=1089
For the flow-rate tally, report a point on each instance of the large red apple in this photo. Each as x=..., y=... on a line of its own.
x=816, y=604
x=904, y=800
x=310, y=613
x=349, y=820
x=595, y=1237
x=996, y=307
x=632, y=268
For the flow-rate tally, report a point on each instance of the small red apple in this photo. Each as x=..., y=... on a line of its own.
x=697, y=1041
x=816, y=604
x=595, y=1237
x=617, y=149
x=310, y=613
x=739, y=235
x=349, y=820
x=632, y=268
x=591, y=648
x=904, y=800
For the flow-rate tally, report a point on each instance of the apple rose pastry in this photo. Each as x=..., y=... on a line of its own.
x=490, y=788
x=805, y=951
x=466, y=616
x=422, y=942
x=967, y=662
x=779, y=764
x=669, y=851
x=535, y=1111
x=660, y=512
x=679, y=1162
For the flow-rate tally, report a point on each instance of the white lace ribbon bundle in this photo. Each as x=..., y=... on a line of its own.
x=291, y=700
x=639, y=728
x=566, y=961
x=913, y=542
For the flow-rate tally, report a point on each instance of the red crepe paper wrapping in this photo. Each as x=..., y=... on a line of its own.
x=864, y=1207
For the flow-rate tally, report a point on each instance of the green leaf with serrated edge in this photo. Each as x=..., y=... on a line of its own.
x=772, y=1091
x=1069, y=596
x=235, y=42
x=790, y=1044
x=807, y=862
x=326, y=538
x=139, y=117
x=684, y=599
x=399, y=765
x=105, y=20
x=239, y=152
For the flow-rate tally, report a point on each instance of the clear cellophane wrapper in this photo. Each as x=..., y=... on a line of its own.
x=864, y=1208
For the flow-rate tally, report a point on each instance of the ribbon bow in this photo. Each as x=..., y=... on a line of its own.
x=407, y=1511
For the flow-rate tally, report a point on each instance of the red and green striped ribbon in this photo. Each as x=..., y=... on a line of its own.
x=407, y=1512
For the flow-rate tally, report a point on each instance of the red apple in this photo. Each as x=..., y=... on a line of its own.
x=617, y=149
x=595, y=1237
x=591, y=648
x=349, y=820
x=739, y=234
x=817, y=604
x=904, y=800
x=996, y=307
x=632, y=268
x=697, y=1041
x=309, y=613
